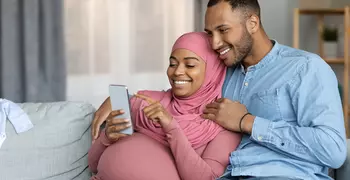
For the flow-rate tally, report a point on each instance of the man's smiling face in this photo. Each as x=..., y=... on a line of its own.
x=228, y=33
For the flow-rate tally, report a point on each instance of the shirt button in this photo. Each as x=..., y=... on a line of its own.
x=259, y=138
x=245, y=84
x=282, y=144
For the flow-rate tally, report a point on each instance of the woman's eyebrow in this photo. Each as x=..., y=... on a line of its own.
x=188, y=58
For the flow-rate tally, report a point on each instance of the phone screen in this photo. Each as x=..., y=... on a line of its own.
x=119, y=97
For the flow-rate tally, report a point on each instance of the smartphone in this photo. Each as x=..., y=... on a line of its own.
x=119, y=97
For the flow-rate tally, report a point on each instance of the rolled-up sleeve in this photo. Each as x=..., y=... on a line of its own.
x=319, y=134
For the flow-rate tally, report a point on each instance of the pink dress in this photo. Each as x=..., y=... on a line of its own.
x=189, y=148
x=140, y=157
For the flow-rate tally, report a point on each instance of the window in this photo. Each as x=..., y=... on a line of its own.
x=121, y=42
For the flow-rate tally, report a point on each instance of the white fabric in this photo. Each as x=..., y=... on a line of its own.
x=19, y=119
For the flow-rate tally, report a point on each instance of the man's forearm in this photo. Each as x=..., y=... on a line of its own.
x=319, y=145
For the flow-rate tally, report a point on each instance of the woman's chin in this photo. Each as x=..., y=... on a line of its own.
x=181, y=93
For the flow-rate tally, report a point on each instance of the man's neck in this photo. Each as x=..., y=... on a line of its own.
x=262, y=45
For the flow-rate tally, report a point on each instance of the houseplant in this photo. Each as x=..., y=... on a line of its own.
x=330, y=38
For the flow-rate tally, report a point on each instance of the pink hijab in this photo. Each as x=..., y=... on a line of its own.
x=186, y=111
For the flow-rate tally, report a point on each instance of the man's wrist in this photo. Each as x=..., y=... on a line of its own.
x=247, y=123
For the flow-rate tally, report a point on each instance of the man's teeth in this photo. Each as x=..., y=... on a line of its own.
x=224, y=52
x=181, y=82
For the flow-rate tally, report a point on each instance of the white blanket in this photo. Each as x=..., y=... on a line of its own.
x=12, y=112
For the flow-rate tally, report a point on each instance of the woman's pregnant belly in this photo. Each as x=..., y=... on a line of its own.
x=137, y=157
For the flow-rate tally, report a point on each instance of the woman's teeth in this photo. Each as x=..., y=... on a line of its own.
x=225, y=51
x=181, y=82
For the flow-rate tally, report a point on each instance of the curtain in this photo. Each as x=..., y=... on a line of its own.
x=121, y=42
x=32, y=63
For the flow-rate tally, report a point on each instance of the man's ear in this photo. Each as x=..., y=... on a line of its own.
x=253, y=24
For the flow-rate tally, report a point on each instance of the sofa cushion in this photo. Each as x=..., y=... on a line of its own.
x=55, y=149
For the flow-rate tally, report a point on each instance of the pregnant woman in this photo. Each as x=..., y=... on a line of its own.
x=171, y=140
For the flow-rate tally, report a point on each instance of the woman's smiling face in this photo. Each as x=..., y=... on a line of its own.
x=186, y=72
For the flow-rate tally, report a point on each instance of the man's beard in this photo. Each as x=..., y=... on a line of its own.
x=243, y=47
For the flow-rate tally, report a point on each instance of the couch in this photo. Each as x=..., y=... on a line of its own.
x=56, y=148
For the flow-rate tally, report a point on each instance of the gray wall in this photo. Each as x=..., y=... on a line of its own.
x=277, y=19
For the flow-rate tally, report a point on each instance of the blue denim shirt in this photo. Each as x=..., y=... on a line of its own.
x=299, y=129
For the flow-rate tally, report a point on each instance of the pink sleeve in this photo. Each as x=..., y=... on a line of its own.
x=215, y=157
x=96, y=151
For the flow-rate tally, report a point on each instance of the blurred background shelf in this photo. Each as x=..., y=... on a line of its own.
x=338, y=11
x=340, y=60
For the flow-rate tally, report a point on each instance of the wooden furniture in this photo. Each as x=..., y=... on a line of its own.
x=320, y=13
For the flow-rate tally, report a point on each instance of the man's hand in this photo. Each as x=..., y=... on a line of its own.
x=115, y=125
x=101, y=116
x=155, y=111
x=228, y=114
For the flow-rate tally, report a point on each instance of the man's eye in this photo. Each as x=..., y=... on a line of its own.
x=223, y=30
x=172, y=65
x=191, y=66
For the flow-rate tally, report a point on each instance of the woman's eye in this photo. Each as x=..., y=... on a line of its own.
x=172, y=65
x=190, y=66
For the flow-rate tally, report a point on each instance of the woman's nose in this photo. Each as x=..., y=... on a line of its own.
x=180, y=70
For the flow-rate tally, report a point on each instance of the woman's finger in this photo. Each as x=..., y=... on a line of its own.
x=115, y=136
x=117, y=128
x=155, y=116
x=146, y=98
x=116, y=113
x=96, y=124
x=151, y=107
x=116, y=121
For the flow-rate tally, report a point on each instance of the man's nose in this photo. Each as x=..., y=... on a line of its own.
x=216, y=41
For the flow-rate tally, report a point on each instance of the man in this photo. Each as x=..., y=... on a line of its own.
x=294, y=128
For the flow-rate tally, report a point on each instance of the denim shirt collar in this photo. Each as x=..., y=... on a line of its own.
x=266, y=60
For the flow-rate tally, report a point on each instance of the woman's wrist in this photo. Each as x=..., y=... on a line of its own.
x=104, y=139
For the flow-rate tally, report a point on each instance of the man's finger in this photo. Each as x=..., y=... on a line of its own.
x=214, y=105
x=210, y=111
x=146, y=98
x=220, y=100
x=209, y=116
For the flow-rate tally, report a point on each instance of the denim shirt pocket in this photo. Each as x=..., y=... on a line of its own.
x=265, y=104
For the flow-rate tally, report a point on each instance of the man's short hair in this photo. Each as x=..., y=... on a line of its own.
x=248, y=7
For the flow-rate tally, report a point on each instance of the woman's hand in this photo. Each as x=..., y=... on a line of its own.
x=100, y=117
x=115, y=125
x=155, y=111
